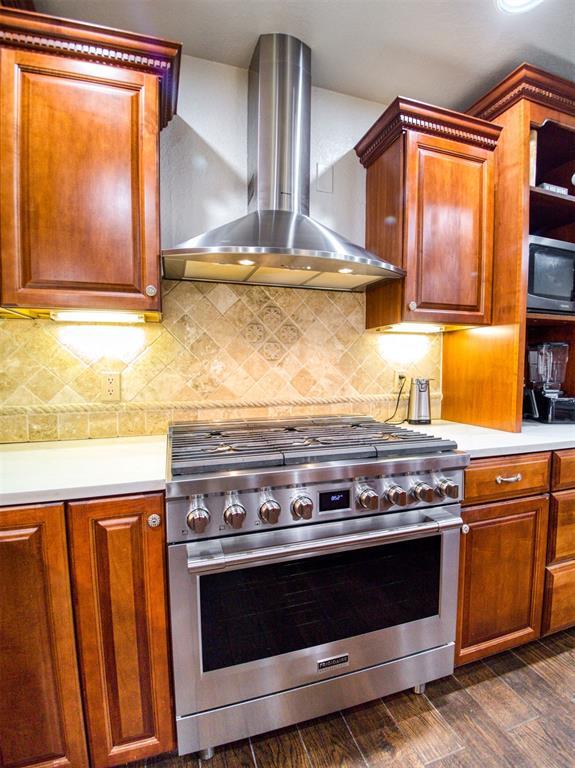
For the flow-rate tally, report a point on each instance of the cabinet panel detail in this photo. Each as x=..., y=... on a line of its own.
x=501, y=576
x=118, y=571
x=40, y=708
x=559, y=610
x=79, y=183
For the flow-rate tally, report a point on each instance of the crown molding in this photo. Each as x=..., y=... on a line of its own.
x=526, y=82
x=407, y=114
x=102, y=45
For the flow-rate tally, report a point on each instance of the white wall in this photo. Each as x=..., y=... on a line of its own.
x=204, y=154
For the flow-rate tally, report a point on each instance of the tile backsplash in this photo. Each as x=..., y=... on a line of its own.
x=221, y=351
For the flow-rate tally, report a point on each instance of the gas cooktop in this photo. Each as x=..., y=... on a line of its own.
x=199, y=447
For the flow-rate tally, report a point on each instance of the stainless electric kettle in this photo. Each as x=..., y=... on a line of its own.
x=419, y=409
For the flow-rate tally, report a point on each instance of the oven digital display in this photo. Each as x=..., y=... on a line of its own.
x=332, y=500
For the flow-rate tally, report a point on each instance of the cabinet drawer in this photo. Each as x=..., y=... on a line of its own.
x=562, y=527
x=563, y=470
x=506, y=477
x=559, y=608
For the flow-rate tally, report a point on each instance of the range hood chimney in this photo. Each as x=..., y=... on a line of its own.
x=277, y=243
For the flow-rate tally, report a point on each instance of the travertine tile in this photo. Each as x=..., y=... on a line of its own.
x=44, y=385
x=132, y=423
x=103, y=425
x=14, y=429
x=157, y=422
x=42, y=427
x=73, y=426
x=88, y=385
x=222, y=297
x=216, y=342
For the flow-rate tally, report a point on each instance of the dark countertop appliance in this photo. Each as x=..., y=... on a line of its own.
x=551, y=285
x=544, y=398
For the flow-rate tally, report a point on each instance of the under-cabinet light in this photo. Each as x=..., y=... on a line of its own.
x=95, y=316
x=412, y=328
x=517, y=6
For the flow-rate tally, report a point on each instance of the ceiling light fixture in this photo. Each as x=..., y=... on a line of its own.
x=517, y=6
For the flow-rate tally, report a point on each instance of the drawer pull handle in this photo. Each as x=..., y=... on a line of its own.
x=514, y=479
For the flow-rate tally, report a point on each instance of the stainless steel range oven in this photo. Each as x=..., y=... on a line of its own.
x=342, y=588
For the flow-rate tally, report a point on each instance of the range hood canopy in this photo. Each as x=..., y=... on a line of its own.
x=277, y=243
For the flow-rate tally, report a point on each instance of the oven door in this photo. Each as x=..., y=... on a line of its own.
x=260, y=613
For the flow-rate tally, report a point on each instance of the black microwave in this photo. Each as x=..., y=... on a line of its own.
x=551, y=275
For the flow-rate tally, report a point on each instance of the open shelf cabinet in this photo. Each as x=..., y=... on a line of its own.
x=484, y=368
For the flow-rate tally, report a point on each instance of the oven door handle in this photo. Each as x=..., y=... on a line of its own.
x=214, y=558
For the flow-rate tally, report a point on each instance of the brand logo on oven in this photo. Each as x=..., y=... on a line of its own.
x=334, y=661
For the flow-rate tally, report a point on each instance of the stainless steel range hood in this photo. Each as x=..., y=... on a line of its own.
x=277, y=243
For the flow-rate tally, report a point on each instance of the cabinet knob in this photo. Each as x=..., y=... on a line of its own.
x=151, y=290
x=412, y=305
x=154, y=521
x=465, y=529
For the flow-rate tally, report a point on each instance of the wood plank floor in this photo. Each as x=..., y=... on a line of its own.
x=515, y=710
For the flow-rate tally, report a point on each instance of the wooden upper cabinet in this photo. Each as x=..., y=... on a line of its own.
x=430, y=211
x=118, y=574
x=79, y=194
x=483, y=373
x=41, y=722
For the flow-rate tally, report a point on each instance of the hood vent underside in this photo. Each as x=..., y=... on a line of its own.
x=277, y=243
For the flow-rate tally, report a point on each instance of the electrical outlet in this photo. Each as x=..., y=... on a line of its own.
x=111, y=386
x=398, y=377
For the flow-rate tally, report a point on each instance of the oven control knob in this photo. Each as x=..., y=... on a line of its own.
x=423, y=492
x=367, y=498
x=302, y=508
x=234, y=515
x=396, y=495
x=446, y=487
x=270, y=511
x=198, y=519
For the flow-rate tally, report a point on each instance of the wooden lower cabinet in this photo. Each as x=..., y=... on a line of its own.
x=41, y=722
x=117, y=562
x=559, y=603
x=559, y=610
x=502, y=569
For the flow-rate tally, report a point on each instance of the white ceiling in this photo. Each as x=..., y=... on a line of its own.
x=447, y=52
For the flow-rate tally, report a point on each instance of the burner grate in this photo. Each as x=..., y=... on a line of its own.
x=200, y=447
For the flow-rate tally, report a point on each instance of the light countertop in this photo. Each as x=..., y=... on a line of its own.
x=480, y=442
x=75, y=469
x=80, y=469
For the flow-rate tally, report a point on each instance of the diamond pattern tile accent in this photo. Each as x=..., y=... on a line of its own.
x=216, y=342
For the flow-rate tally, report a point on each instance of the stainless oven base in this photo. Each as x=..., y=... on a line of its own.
x=238, y=721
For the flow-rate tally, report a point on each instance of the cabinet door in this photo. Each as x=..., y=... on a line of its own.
x=501, y=573
x=120, y=591
x=78, y=184
x=449, y=231
x=559, y=608
x=41, y=719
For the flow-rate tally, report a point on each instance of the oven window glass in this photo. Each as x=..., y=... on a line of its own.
x=553, y=275
x=255, y=613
